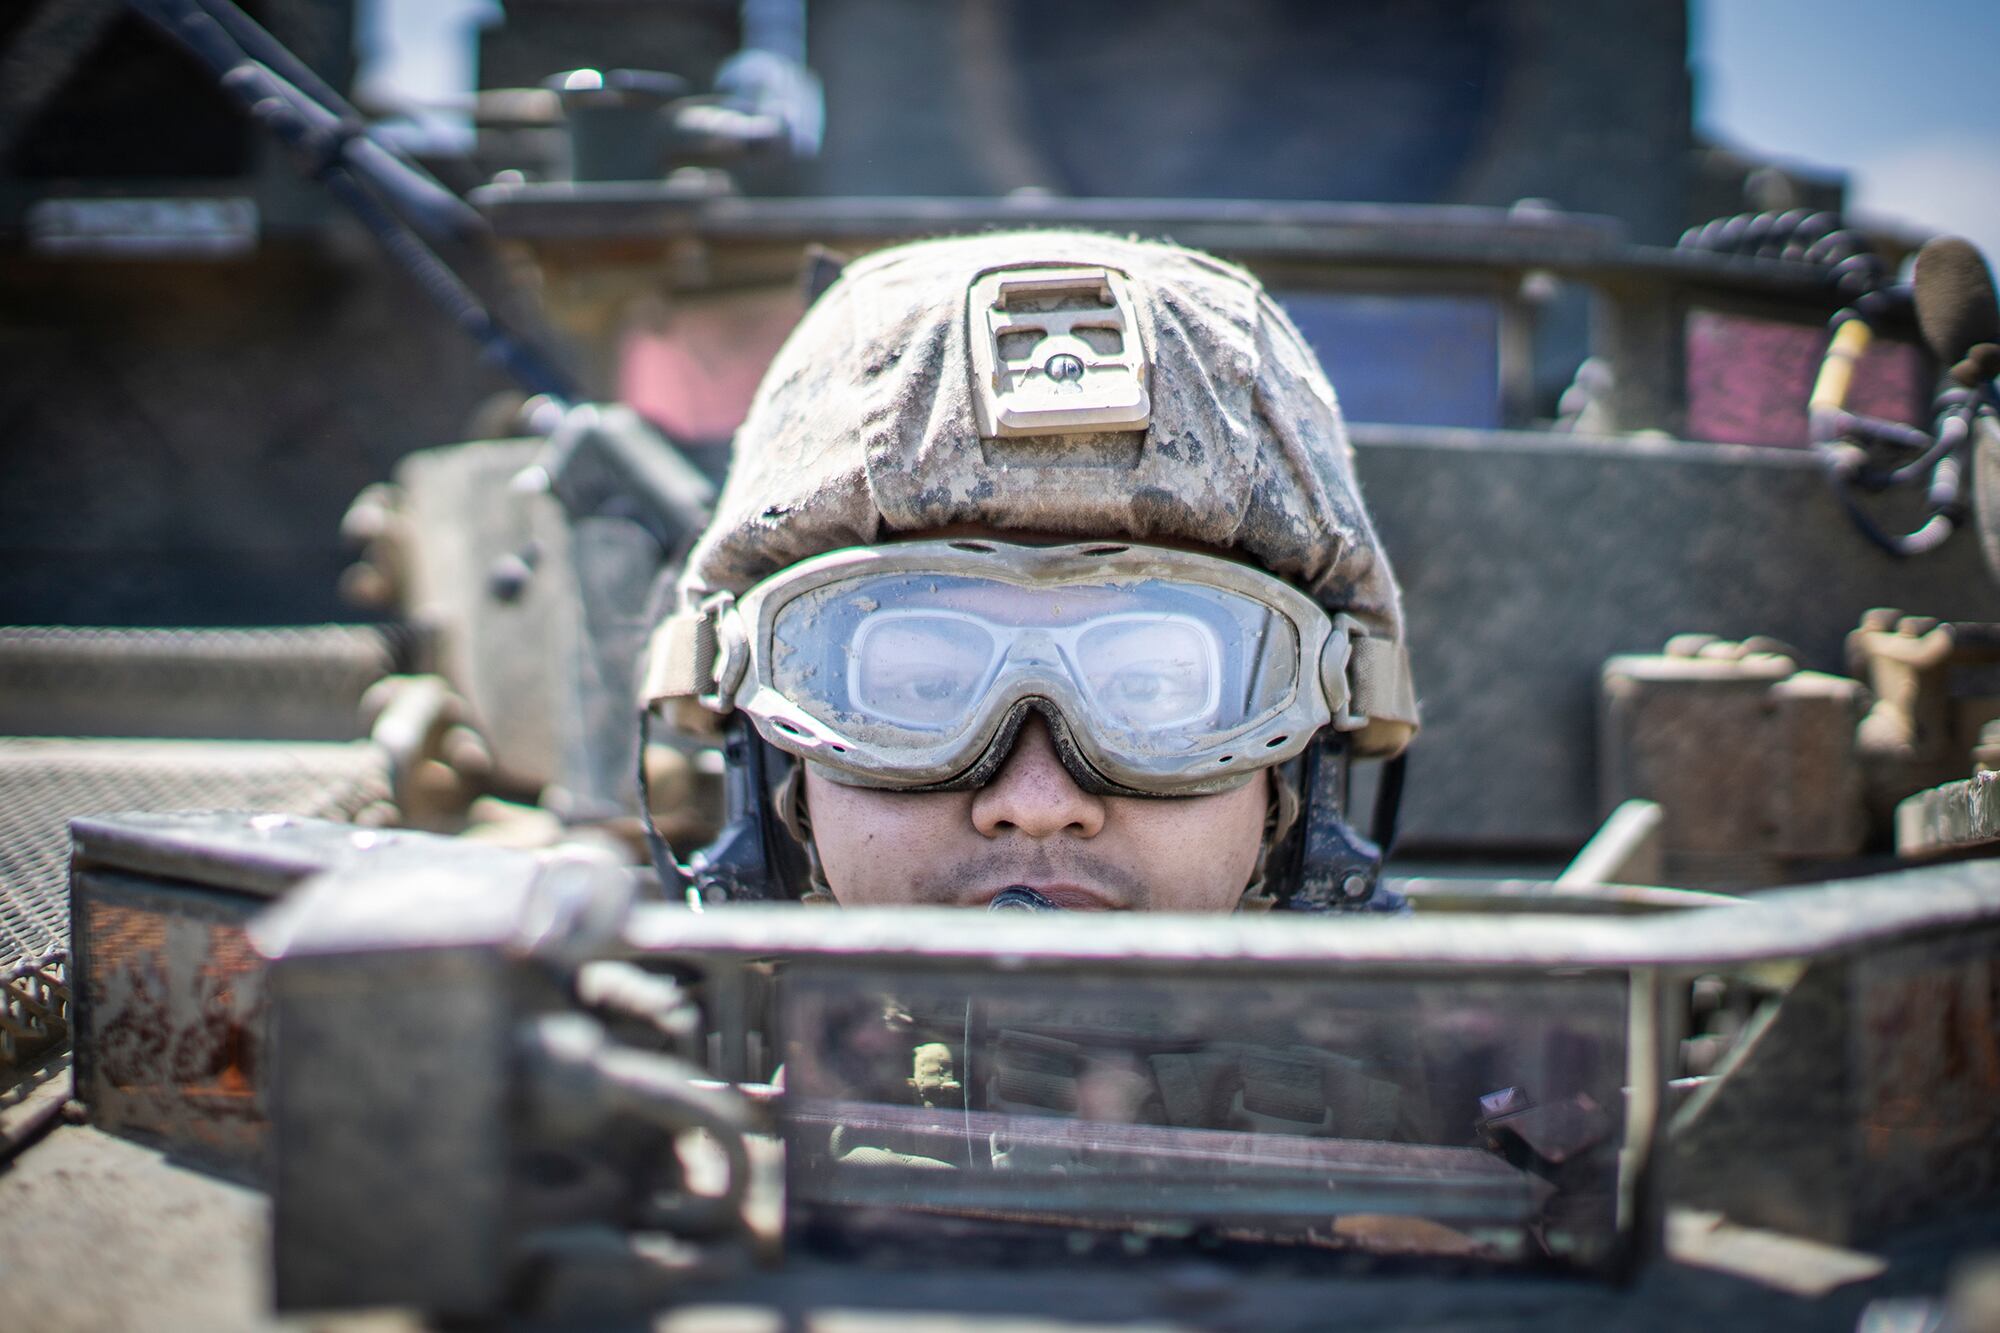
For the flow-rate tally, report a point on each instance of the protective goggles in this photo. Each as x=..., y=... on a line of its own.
x=913, y=666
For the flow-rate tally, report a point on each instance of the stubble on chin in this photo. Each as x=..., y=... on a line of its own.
x=964, y=881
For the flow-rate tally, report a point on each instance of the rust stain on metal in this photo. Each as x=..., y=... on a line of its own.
x=1929, y=1068
x=178, y=1019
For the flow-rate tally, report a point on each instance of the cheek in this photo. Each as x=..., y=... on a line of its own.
x=1198, y=852
x=872, y=843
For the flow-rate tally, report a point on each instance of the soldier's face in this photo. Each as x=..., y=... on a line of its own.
x=1033, y=826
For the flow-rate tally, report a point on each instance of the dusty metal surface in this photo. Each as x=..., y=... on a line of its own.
x=302, y=683
x=1926, y=1026
x=1750, y=760
x=174, y=1031
x=260, y=854
x=1891, y=1058
x=192, y=1252
x=1790, y=923
x=172, y=1023
x=1931, y=683
x=1565, y=896
x=559, y=212
x=486, y=570
x=828, y=1298
x=1528, y=559
x=422, y=917
x=190, y=1248
x=489, y=888
x=99, y=1235
x=1624, y=850
x=444, y=1241
x=555, y=215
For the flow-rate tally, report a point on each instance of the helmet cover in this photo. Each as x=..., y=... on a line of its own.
x=868, y=427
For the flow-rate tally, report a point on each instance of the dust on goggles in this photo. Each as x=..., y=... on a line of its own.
x=913, y=666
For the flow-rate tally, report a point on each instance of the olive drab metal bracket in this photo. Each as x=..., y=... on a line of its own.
x=1056, y=351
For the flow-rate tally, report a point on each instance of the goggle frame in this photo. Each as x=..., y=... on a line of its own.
x=745, y=680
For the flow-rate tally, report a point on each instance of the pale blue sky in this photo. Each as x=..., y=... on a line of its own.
x=1904, y=97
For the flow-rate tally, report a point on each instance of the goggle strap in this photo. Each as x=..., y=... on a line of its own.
x=1378, y=676
x=680, y=659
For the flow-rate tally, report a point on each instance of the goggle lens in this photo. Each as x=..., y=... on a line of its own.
x=1164, y=664
x=917, y=670
x=929, y=670
x=912, y=666
x=1146, y=671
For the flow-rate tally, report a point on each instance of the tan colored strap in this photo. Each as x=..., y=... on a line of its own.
x=680, y=659
x=1379, y=674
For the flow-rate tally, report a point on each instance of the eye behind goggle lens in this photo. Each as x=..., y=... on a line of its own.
x=1147, y=672
x=902, y=663
x=920, y=670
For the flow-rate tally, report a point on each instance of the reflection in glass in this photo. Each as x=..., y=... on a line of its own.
x=1475, y=1120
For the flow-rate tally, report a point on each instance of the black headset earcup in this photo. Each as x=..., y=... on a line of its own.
x=754, y=858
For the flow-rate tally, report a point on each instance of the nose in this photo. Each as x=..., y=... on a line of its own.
x=1034, y=794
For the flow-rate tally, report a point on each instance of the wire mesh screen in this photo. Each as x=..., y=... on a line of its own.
x=46, y=783
x=302, y=683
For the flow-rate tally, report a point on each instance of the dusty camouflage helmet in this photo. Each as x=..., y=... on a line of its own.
x=1061, y=384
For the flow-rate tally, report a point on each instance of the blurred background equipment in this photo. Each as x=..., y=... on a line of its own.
x=276, y=534
x=169, y=273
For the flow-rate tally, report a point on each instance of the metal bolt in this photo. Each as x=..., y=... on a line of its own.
x=1355, y=886
x=1064, y=366
x=508, y=577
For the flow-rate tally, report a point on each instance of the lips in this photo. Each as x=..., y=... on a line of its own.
x=1069, y=874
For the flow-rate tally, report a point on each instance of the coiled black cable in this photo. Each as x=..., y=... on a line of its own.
x=1801, y=236
x=1844, y=440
